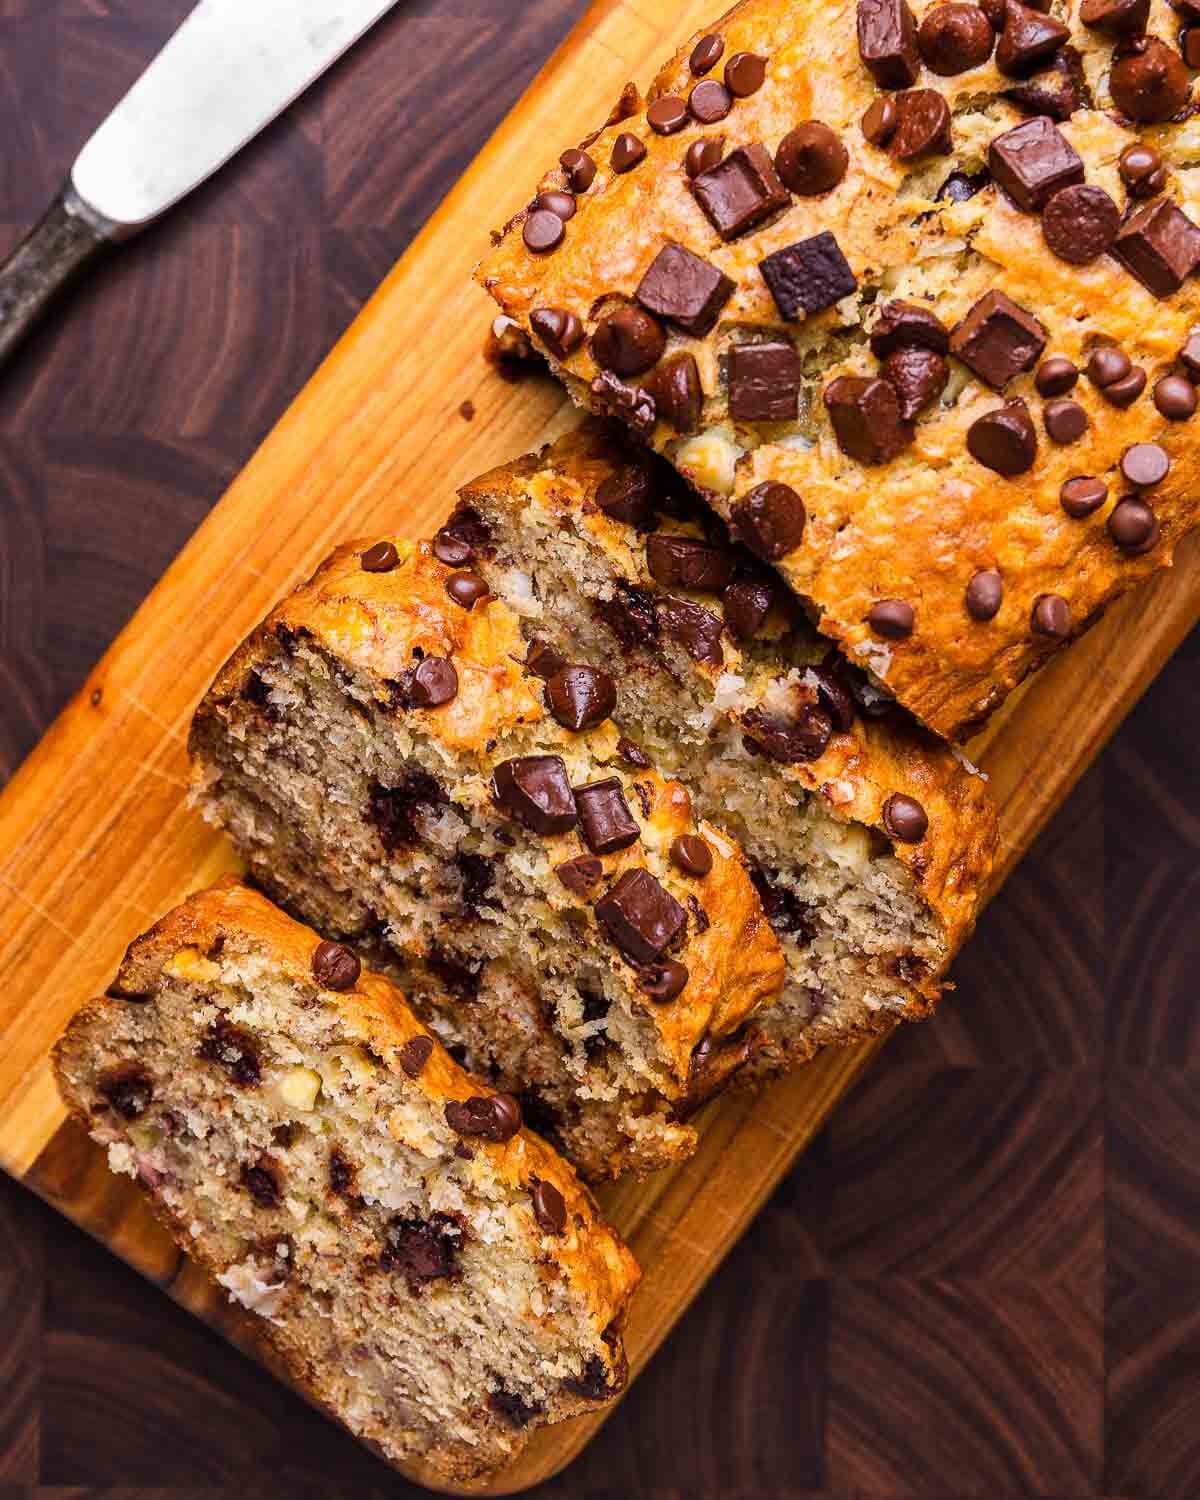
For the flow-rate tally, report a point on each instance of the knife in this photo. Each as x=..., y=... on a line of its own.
x=232, y=66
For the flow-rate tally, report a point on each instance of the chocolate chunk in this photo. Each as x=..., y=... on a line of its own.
x=746, y=605
x=922, y=125
x=685, y=289
x=808, y=277
x=696, y=629
x=667, y=115
x=1116, y=17
x=1175, y=398
x=961, y=188
x=233, y=1049
x=904, y=325
x=811, y=159
x=632, y=755
x=466, y=589
x=452, y=550
x=703, y=155
x=580, y=875
x=985, y=594
x=579, y=696
x=1004, y=440
x=1160, y=246
x=674, y=387
x=1189, y=356
x=1082, y=495
x=534, y=789
x=833, y=693
x=628, y=342
x=681, y=562
x=790, y=739
x=415, y=1053
x=543, y=660
x=580, y=169
x=744, y=74
x=764, y=382
x=894, y=619
x=496, y=1117
x=880, y=119
x=663, y=981
x=624, y=403
x=706, y=54
x=129, y=1090
x=262, y=1183
x=549, y=1207
x=709, y=102
x=1056, y=376
x=335, y=967
x=865, y=412
x=422, y=1250
x=997, y=340
x=556, y=202
x=1058, y=91
x=1189, y=45
x=640, y=916
x=1132, y=525
x=629, y=614
x=1065, y=420
x=624, y=495
x=604, y=816
x=1145, y=464
x=1051, y=615
x=887, y=42
x=692, y=855
x=381, y=558
x=558, y=328
x=1028, y=40
x=542, y=231
x=905, y=819
x=770, y=520
x=918, y=377
x=627, y=151
x=1148, y=81
x=955, y=38
x=740, y=191
x=1032, y=161
x=1142, y=171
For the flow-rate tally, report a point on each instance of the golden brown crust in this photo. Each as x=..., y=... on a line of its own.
x=920, y=526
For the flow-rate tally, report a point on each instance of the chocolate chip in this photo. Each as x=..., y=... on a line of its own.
x=422, y=1250
x=791, y=739
x=335, y=967
x=580, y=875
x=604, y=816
x=880, y=119
x=381, y=558
x=627, y=151
x=1189, y=45
x=905, y=819
x=1028, y=40
x=961, y=188
x=696, y=629
x=1175, y=398
x=865, y=413
x=704, y=154
x=431, y=683
x=1033, y=161
x=1159, y=245
x=685, y=289
x=1065, y=420
x=559, y=329
x=1148, y=81
x=129, y=1090
x=1004, y=439
x=543, y=231
x=745, y=73
x=415, y=1053
x=580, y=169
x=1125, y=392
x=985, y=594
x=918, y=377
x=740, y=191
x=1107, y=364
x=667, y=115
x=1082, y=495
x=706, y=53
x=994, y=11
x=894, y=619
x=1056, y=376
x=1132, y=525
x=687, y=563
x=452, y=550
x=811, y=159
x=904, y=325
x=674, y=387
x=1115, y=17
x=640, y=916
x=997, y=340
x=1145, y=464
x=556, y=202
x=466, y=589
x=624, y=494
x=1051, y=616
x=808, y=277
x=579, y=696
x=764, y=382
x=922, y=125
x=496, y=1117
x=1142, y=171
x=233, y=1049
x=955, y=38
x=709, y=102
x=534, y=789
x=549, y=1207
x=628, y=342
x=1058, y=91
x=770, y=520
x=543, y=660
x=692, y=855
x=746, y=605
x=663, y=981
x=887, y=42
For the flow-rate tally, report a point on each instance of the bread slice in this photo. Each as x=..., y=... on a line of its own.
x=431, y=1273
x=388, y=769
x=869, y=839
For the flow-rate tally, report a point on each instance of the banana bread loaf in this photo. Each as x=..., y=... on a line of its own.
x=433, y=1275
x=910, y=300
x=869, y=838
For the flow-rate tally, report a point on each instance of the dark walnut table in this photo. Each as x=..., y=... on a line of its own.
x=983, y=1278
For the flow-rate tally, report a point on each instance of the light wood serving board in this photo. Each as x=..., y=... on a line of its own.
x=96, y=840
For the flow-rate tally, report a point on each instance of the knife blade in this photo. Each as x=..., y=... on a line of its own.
x=230, y=68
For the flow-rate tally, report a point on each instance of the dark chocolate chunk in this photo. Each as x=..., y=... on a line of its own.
x=1145, y=464
x=558, y=328
x=335, y=967
x=955, y=38
x=129, y=1090
x=381, y=558
x=880, y=119
x=624, y=494
x=415, y=1053
x=681, y=562
x=904, y=325
x=542, y=231
x=918, y=377
x=604, y=817
x=887, y=42
x=1004, y=440
x=1133, y=526
x=624, y=403
x=422, y=1249
x=1058, y=91
x=985, y=594
x=431, y=683
x=740, y=191
x=1175, y=397
x=1149, y=80
x=692, y=855
x=496, y=1117
x=905, y=819
x=790, y=739
x=764, y=382
x=745, y=73
x=667, y=115
x=746, y=605
x=1116, y=17
x=1189, y=356
x=709, y=101
x=704, y=154
x=628, y=341
x=466, y=589
x=1142, y=171
x=1051, y=615
x=808, y=277
x=770, y=520
x=663, y=981
x=1032, y=161
x=629, y=614
x=579, y=696
x=865, y=413
x=627, y=151
x=690, y=292
x=811, y=159
x=1028, y=40
x=1082, y=495
x=894, y=619
x=1160, y=246
x=641, y=916
x=833, y=692
x=580, y=169
x=1065, y=420
x=997, y=340
x=1056, y=376
x=534, y=789
x=706, y=53
x=397, y=811
x=549, y=1206
x=922, y=125
x=696, y=629
x=580, y=875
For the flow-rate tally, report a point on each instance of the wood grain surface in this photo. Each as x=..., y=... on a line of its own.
x=980, y=1279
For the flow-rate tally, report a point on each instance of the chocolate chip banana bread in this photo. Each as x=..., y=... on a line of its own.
x=910, y=298
x=387, y=768
x=433, y=1274
x=869, y=838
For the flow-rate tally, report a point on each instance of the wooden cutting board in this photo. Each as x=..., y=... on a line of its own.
x=95, y=837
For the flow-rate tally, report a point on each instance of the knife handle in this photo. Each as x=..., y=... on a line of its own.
x=68, y=236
